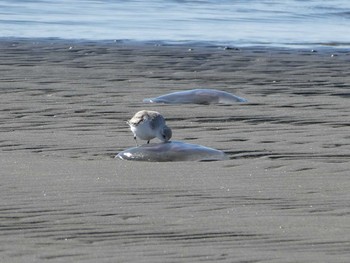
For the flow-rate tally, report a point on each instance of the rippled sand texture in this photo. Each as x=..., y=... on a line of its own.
x=283, y=196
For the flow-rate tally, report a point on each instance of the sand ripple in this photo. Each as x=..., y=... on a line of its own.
x=281, y=197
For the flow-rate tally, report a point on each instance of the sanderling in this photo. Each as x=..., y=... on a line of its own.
x=147, y=125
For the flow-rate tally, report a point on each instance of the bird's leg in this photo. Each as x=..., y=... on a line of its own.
x=136, y=141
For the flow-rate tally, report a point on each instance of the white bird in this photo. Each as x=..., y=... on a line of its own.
x=147, y=125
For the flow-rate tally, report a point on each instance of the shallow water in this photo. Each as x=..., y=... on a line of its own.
x=229, y=22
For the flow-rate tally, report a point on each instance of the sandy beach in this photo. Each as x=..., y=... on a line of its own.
x=283, y=195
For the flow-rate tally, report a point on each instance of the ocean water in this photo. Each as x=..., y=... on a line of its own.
x=229, y=22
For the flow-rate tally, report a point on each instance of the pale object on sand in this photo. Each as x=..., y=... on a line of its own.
x=197, y=96
x=171, y=152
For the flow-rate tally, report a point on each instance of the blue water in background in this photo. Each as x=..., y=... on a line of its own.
x=228, y=22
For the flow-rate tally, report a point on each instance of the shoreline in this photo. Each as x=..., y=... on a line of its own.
x=315, y=47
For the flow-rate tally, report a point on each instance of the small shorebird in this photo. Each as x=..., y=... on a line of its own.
x=147, y=125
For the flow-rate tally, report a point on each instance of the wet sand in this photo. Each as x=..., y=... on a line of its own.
x=283, y=196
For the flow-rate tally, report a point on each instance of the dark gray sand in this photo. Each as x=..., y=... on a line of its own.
x=283, y=196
